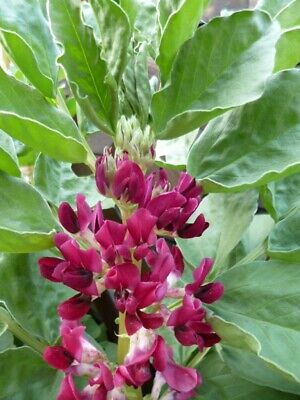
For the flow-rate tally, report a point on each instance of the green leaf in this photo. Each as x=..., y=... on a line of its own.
x=258, y=320
x=230, y=155
x=115, y=31
x=209, y=83
x=28, y=117
x=8, y=158
x=6, y=341
x=273, y=7
x=27, y=36
x=282, y=196
x=229, y=215
x=146, y=22
x=26, y=289
x=284, y=241
x=92, y=85
x=179, y=27
x=24, y=375
x=57, y=183
x=26, y=221
x=287, y=50
x=220, y=383
x=289, y=17
x=166, y=8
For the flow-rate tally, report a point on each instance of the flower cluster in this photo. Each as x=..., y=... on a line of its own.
x=134, y=259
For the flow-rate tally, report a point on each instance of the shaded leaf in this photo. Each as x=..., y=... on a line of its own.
x=28, y=117
x=179, y=27
x=8, y=158
x=26, y=221
x=30, y=44
x=273, y=7
x=230, y=155
x=284, y=241
x=115, y=31
x=92, y=85
x=287, y=50
x=209, y=83
x=289, y=17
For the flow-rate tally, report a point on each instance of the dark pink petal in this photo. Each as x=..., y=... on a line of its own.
x=102, y=181
x=161, y=354
x=189, y=311
x=60, y=238
x=164, y=201
x=132, y=323
x=163, y=180
x=178, y=259
x=71, y=252
x=111, y=233
x=161, y=262
x=168, y=217
x=210, y=339
x=84, y=212
x=47, y=267
x=91, y=260
x=181, y=379
x=78, y=278
x=58, y=357
x=141, y=251
x=72, y=336
x=195, y=229
x=68, y=218
x=210, y=293
x=188, y=186
x=68, y=391
x=150, y=321
x=122, y=276
x=129, y=182
x=147, y=293
x=199, y=275
x=105, y=378
x=187, y=337
x=97, y=218
x=75, y=307
x=140, y=226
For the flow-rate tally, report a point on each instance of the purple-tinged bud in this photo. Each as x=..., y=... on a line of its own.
x=47, y=267
x=75, y=307
x=84, y=212
x=58, y=357
x=129, y=183
x=101, y=177
x=68, y=218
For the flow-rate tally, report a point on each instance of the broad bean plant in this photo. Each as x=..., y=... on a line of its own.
x=150, y=200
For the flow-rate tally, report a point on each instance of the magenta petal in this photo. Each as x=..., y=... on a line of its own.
x=97, y=218
x=168, y=217
x=181, y=379
x=60, y=238
x=210, y=293
x=91, y=260
x=161, y=355
x=122, y=276
x=140, y=225
x=187, y=337
x=141, y=251
x=111, y=233
x=132, y=323
x=47, y=267
x=164, y=201
x=58, y=357
x=199, y=275
x=68, y=391
x=129, y=182
x=68, y=218
x=75, y=307
x=84, y=212
x=188, y=186
x=71, y=252
x=195, y=229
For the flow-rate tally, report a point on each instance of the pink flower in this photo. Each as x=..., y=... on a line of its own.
x=75, y=222
x=68, y=390
x=75, y=307
x=58, y=357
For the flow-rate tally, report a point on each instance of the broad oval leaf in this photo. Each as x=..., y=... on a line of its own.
x=25, y=375
x=220, y=383
x=289, y=17
x=229, y=215
x=8, y=158
x=115, y=32
x=258, y=320
x=205, y=83
x=179, y=27
x=287, y=50
x=254, y=144
x=92, y=85
x=28, y=117
x=30, y=44
x=26, y=221
x=273, y=7
x=22, y=273
x=284, y=240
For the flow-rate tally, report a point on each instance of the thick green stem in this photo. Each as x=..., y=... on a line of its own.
x=20, y=333
x=123, y=340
